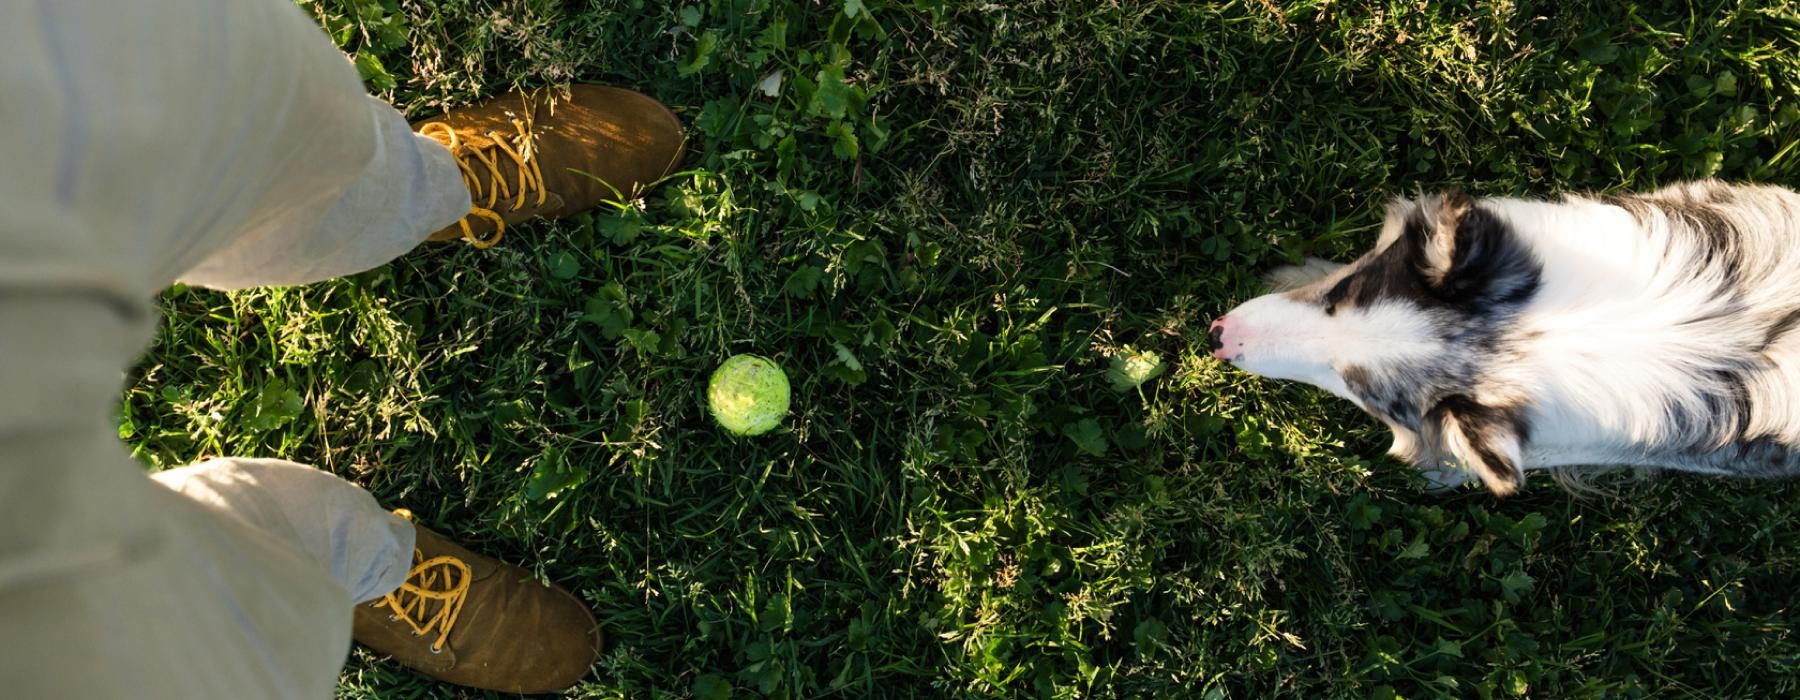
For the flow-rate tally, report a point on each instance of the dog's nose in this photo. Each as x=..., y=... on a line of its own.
x=1216, y=337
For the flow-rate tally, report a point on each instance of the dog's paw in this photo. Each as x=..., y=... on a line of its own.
x=1292, y=277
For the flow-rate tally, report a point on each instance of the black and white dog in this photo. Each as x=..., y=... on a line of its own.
x=1499, y=335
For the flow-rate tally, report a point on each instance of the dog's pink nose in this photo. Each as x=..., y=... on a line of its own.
x=1216, y=337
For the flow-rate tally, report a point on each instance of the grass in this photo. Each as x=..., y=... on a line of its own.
x=946, y=222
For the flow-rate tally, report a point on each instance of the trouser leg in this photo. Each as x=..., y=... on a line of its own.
x=366, y=549
x=410, y=189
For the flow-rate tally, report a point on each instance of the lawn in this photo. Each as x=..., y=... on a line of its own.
x=946, y=219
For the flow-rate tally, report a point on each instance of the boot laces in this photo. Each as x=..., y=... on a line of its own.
x=519, y=147
x=432, y=596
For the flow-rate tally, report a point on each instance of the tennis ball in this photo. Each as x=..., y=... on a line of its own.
x=748, y=394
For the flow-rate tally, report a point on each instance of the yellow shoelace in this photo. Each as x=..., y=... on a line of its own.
x=443, y=580
x=531, y=179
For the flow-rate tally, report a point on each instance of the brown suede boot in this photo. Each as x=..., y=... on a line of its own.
x=549, y=154
x=470, y=620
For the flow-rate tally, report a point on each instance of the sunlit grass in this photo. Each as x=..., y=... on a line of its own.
x=946, y=222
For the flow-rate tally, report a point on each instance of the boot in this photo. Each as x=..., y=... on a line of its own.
x=550, y=154
x=470, y=620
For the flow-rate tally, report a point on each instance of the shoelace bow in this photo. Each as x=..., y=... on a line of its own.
x=443, y=580
x=531, y=178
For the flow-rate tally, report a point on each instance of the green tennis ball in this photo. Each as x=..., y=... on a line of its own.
x=748, y=394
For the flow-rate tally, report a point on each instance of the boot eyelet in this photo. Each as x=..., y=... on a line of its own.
x=435, y=649
x=415, y=635
x=393, y=618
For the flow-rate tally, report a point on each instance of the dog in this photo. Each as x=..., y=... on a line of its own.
x=1498, y=335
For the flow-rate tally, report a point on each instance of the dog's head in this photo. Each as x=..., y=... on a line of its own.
x=1409, y=332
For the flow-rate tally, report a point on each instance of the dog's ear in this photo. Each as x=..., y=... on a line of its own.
x=1485, y=440
x=1464, y=253
x=1434, y=225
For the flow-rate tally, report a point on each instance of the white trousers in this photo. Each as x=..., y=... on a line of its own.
x=229, y=144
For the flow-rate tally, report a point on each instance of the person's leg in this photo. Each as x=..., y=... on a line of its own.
x=410, y=188
x=139, y=138
x=112, y=586
x=142, y=140
x=433, y=605
x=335, y=523
x=523, y=156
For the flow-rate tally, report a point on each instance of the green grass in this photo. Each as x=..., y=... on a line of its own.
x=944, y=225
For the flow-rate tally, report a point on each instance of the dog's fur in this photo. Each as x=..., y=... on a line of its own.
x=1498, y=335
